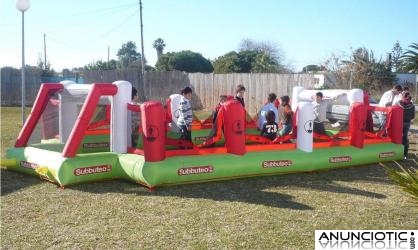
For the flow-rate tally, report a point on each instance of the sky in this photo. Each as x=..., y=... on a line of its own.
x=79, y=32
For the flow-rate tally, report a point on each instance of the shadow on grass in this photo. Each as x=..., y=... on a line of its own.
x=12, y=181
x=260, y=190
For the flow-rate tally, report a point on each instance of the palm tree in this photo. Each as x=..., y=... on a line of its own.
x=159, y=46
x=410, y=59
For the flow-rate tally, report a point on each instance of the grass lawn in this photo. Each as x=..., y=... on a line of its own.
x=275, y=212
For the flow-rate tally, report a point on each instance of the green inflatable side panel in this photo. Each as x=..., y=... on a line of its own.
x=46, y=161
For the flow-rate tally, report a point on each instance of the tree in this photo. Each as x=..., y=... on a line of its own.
x=159, y=45
x=227, y=63
x=409, y=60
x=395, y=57
x=247, y=61
x=312, y=68
x=187, y=61
x=363, y=70
x=45, y=67
x=128, y=56
x=268, y=47
x=101, y=65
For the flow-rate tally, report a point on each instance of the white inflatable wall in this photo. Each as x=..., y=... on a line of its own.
x=304, y=120
x=175, y=109
x=75, y=94
x=119, y=126
x=72, y=95
x=302, y=100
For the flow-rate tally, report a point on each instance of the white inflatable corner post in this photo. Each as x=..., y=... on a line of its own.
x=175, y=111
x=295, y=97
x=305, y=120
x=119, y=126
x=68, y=108
x=355, y=96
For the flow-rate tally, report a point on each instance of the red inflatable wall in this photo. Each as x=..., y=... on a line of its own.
x=234, y=127
x=395, y=117
x=357, y=124
x=153, y=130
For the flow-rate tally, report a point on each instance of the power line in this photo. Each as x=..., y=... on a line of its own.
x=117, y=26
x=104, y=10
x=82, y=22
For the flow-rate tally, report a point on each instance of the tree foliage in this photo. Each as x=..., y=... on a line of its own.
x=47, y=71
x=268, y=47
x=159, y=45
x=361, y=69
x=101, y=65
x=409, y=60
x=128, y=57
x=312, y=68
x=247, y=61
x=187, y=61
x=395, y=57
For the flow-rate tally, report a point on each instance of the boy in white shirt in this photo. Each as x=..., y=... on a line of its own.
x=184, y=122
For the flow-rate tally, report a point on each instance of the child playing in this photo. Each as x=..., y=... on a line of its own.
x=408, y=115
x=287, y=114
x=222, y=99
x=135, y=118
x=184, y=122
x=270, y=127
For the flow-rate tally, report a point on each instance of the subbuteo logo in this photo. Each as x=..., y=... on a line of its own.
x=96, y=145
x=92, y=170
x=386, y=154
x=340, y=159
x=200, y=138
x=25, y=164
x=195, y=170
x=277, y=164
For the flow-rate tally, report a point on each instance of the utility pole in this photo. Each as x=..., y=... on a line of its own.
x=142, y=49
x=44, y=52
x=108, y=52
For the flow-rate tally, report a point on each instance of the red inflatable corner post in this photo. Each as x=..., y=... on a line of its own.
x=234, y=127
x=395, y=125
x=357, y=124
x=153, y=130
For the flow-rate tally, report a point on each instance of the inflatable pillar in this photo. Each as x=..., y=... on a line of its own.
x=395, y=124
x=355, y=95
x=153, y=130
x=305, y=118
x=295, y=97
x=357, y=117
x=234, y=127
x=357, y=124
x=120, y=124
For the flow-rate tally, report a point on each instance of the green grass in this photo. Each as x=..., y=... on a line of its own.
x=272, y=212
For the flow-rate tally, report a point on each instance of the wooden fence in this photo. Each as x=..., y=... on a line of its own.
x=160, y=85
x=11, y=88
x=207, y=87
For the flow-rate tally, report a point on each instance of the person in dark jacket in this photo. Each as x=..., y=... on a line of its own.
x=270, y=127
x=222, y=99
x=239, y=94
x=408, y=115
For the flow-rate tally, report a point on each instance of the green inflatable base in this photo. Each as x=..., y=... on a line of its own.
x=48, y=163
